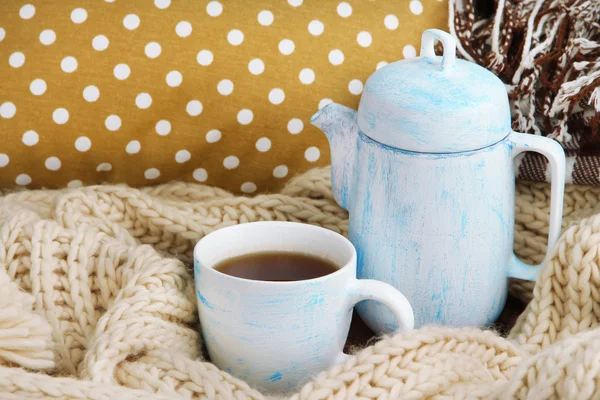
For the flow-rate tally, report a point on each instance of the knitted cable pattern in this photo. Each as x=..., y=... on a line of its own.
x=97, y=301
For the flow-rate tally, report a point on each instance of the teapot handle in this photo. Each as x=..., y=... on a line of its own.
x=556, y=156
x=448, y=42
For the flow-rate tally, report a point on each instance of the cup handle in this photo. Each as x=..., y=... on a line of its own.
x=389, y=296
x=556, y=155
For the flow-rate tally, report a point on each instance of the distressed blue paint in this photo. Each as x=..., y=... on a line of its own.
x=315, y=300
x=253, y=324
x=439, y=227
x=415, y=104
x=463, y=224
x=275, y=377
x=278, y=335
x=204, y=300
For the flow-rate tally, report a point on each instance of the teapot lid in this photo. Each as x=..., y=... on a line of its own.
x=435, y=104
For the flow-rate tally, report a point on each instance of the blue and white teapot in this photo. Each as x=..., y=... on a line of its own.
x=425, y=169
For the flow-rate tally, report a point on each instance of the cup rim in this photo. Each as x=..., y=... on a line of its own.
x=340, y=271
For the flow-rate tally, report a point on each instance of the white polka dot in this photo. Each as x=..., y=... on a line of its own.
x=295, y=3
x=27, y=11
x=225, y=87
x=68, y=64
x=336, y=57
x=47, y=37
x=245, y=116
x=110, y=1
x=265, y=18
x=231, y=162
x=133, y=147
x=324, y=102
x=200, y=174
x=212, y=136
x=30, y=138
x=38, y=87
x=112, y=123
x=183, y=29
x=151, y=173
x=256, y=66
x=204, y=57
x=122, y=71
x=364, y=39
x=182, y=156
x=143, y=100
x=316, y=27
x=355, y=86
x=307, y=76
x=409, y=51
x=104, y=167
x=152, y=50
x=416, y=7
x=174, y=78
x=23, y=179
x=295, y=126
x=131, y=21
x=52, y=163
x=100, y=43
x=286, y=47
x=78, y=15
x=214, y=8
x=163, y=127
x=312, y=154
x=60, y=116
x=263, y=144
x=276, y=96
x=162, y=4
x=248, y=187
x=7, y=110
x=3, y=160
x=74, y=184
x=2, y=34
x=344, y=9
x=280, y=171
x=381, y=64
x=391, y=22
x=16, y=59
x=83, y=143
x=194, y=108
x=91, y=93
x=235, y=37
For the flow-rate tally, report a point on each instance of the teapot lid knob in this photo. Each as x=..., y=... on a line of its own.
x=448, y=42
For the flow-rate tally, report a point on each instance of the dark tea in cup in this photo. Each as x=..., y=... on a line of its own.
x=277, y=266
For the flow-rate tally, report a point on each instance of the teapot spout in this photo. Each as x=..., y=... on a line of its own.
x=339, y=125
x=334, y=119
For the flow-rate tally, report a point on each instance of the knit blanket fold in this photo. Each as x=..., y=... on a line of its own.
x=97, y=301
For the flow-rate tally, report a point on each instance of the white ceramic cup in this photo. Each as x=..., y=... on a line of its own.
x=278, y=335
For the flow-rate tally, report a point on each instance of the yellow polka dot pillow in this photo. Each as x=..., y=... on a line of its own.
x=221, y=92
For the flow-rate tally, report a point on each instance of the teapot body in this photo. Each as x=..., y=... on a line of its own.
x=439, y=227
x=425, y=168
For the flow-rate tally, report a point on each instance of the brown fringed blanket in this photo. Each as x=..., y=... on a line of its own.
x=547, y=52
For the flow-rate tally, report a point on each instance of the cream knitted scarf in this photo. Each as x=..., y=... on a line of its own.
x=97, y=302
